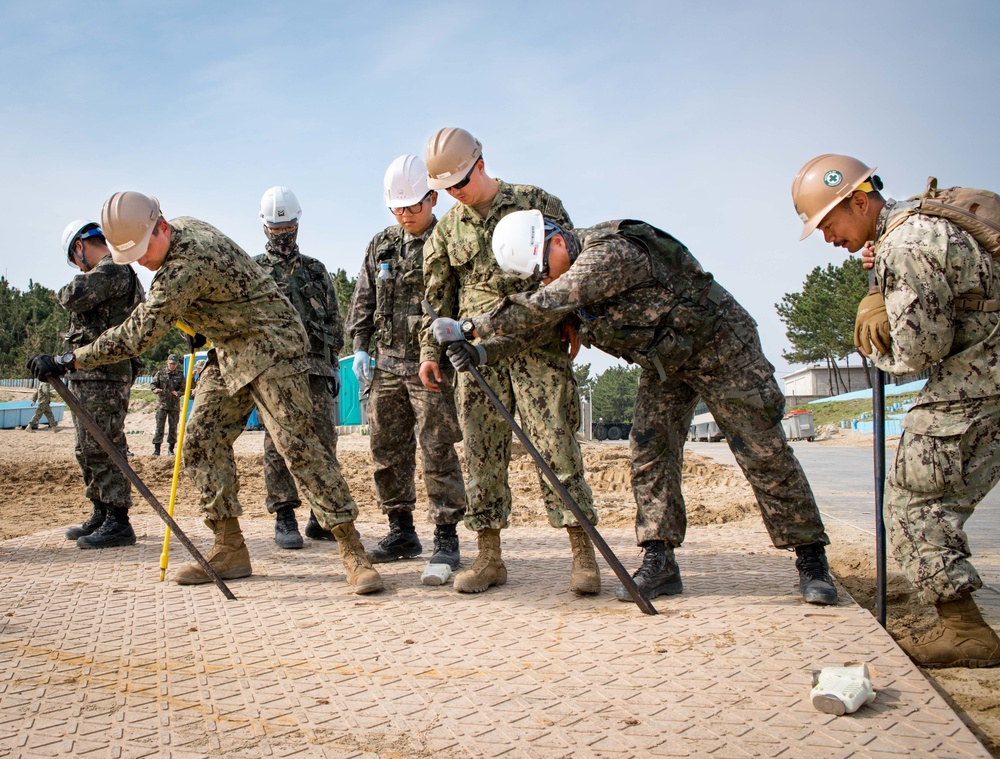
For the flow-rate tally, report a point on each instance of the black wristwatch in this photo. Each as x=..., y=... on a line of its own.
x=468, y=329
x=66, y=359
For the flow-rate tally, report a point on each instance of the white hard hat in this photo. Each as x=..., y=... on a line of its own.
x=519, y=243
x=405, y=182
x=279, y=206
x=78, y=228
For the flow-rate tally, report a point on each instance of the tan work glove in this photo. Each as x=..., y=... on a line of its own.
x=871, y=327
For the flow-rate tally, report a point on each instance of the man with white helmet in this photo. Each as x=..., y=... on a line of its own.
x=640, y=295
x=306, y=283
x=462, y=279
x=99, y=298
x=385, y=317
x=935, y=306
x=258, y=358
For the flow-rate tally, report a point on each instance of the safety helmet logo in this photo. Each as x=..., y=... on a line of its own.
x=833, y=178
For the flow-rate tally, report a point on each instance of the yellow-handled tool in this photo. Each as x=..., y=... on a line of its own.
x=165, y=554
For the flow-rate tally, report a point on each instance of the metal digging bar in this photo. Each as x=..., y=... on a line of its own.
x=88, y=421
x=609, y=556
x=878, y=401
x=878, y=416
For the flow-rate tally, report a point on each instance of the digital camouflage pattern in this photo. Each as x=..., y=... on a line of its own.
x=42, y=399
x=168, y=405
x=401, y=411
x=258, y=358
x=389, y=311
x=97, y=301
x=208, y=282
x=285, y=406
x=168, y=382
x=461, y=279
x=948, y=457
x=645, y=298
x=280, y=484
x=307, y=285
x=461, y=276
x=107, y=403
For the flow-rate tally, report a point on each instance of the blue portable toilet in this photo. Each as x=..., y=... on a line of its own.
x=350, y=394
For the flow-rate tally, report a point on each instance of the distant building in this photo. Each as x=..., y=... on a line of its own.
x=813, y=383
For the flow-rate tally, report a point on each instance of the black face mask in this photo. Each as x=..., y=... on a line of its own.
x=281, y=242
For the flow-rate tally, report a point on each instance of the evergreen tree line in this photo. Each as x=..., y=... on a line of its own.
x=819, y=320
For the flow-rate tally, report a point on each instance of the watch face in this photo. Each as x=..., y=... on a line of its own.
x=467, y=327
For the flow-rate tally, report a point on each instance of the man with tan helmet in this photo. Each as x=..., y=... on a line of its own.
x=462, y=279
x=257, y=358
x=640, y=295
x=385, y=318
x=935, y=306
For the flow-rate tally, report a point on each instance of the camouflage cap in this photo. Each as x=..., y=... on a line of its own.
x=173, y=357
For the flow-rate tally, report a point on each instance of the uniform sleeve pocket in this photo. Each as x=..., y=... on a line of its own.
x=929, y=458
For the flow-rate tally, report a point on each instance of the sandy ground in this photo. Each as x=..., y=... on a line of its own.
x=43, y=490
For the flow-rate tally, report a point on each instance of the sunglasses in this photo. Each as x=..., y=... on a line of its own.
x=464, y=182
x=414, y=209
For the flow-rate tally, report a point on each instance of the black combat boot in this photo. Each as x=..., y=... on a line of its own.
x=401, y=542
x=114, y=531
x=815, y=582
x=156, y=450
x=446, y=546
x=315, y=531
x=170, y=450
x=286, y=529
x=658, y=575
x=95, y=520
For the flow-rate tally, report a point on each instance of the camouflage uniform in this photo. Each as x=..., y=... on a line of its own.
x=168, y=405
x=42, y=399
x=390, y=310
x=640, y=295
x=462, y=279
x=97, y=301
x=306, y=283
x=948, y=457
x=258, y=358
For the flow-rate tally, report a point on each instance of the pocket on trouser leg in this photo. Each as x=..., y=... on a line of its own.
x=929, y=458
x=929, y=463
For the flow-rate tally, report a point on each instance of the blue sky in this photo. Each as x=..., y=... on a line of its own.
x=693, y=117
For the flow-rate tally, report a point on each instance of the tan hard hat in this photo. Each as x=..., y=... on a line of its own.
x=128, y=220
x=822, y=183
x=451, y=153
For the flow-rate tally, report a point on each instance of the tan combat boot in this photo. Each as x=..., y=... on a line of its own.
x=585, y=580
x=488, y=568
x=229, y=556
x=961, y=638
x=360, y=574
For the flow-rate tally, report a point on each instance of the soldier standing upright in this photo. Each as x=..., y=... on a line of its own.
x=258, y=358
x=935, y=305
x=168, y=385
x=386, y=312
x=100, y=298
x=462, y=279
x=41, y=399
x=640, y=295
x=306, y=283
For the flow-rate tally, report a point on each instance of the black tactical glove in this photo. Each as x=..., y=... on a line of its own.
x=335, y=383
x=44, y=366
x=195, y=341
x=464, y=355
